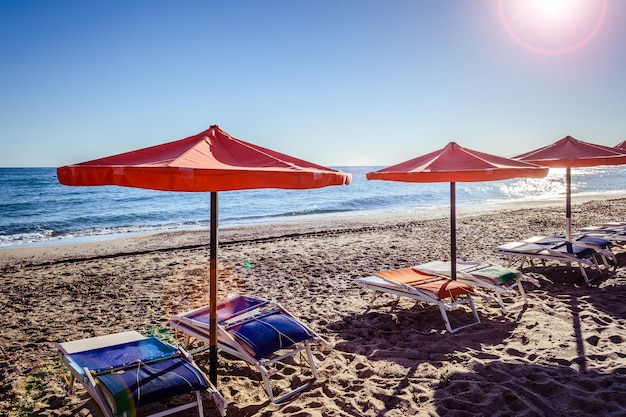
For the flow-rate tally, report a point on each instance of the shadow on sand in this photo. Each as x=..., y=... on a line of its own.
x=505, y=389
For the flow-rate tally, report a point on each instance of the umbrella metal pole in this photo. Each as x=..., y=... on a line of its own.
x=213, y=292
x=453, y=230
x=568, y=204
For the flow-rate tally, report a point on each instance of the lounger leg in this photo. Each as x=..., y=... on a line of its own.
x=186, y=339
x=596, y=264
x=522, y=292
x=219, y=401
x=444, y=314
x=603, y=258
x=268, y=387
x=374, y=297
x=445, y=318
x=266, y=374
x=512, y=260
x=582, y=271
x=200, y=407
x=499, y=300
x=471, y=301
x=96, y=394
x=613, y=258
x=70, y=383
x=309, y=353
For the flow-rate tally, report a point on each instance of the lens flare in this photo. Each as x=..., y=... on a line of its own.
x=552, y=27
x=552, y=9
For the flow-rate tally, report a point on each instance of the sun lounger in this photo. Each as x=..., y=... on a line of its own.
x=500, y=280
x=561, y=252
x=124, y=371
x=259, y=331
x=615, y=232
x=427, y=288
x=601, y=245
x=617, y=224
x=609, y=227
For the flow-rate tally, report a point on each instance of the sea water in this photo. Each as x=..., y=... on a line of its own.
x=36, y=210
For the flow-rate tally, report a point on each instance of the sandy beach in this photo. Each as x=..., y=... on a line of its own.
x=562, y=355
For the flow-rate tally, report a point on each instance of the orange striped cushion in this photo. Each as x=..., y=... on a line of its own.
x=442, y=287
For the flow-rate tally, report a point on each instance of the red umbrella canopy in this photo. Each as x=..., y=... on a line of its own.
x=454, y=163
x=211, y=160
x=621, y=146
x=573, y=153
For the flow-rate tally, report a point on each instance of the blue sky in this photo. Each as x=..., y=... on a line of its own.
x=337, y=82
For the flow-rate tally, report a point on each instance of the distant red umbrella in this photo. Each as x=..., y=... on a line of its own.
x=212, y=161
x=621, y=146
x=453, y=164
x=573, y=153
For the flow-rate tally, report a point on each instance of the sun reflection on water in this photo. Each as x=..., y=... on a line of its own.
x=554, y=184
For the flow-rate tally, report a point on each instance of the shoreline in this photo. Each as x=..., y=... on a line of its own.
x=199, y=237
x=391, y=359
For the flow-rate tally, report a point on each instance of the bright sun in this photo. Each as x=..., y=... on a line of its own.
x=552, y=27
x=552, y=9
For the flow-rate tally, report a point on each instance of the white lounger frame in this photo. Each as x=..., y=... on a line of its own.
x=617, y=237
x=604, y=253
x=464, y=274
x=544, y=253
x=381, y=285
x=195, y=331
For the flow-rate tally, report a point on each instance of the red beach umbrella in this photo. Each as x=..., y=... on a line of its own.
x=571, y=153
x=453, y=164
x=621, y=146
x=212, y=161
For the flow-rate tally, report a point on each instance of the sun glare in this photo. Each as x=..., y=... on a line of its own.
x=552, y=27
x=551, y=9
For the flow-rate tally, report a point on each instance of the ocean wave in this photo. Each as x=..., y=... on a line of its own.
x=46, y=237
x=38, y=210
